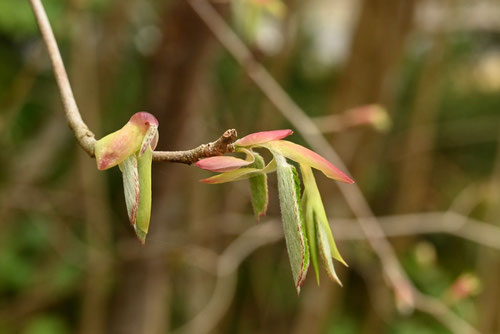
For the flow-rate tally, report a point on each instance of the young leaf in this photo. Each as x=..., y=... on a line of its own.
x=326, y=248
x=314, y=205
x=262, y=137
x=258, y=188
x=131, y=187
x=239, y=174
x=117, y=146
x=297, y=246
x=114, y=148
x=311, y=233
x=144, y=209
x=150, y=139
x=222, y=163
x=307, y=157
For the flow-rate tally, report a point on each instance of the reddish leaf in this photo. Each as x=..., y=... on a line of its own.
x=263, y=137
x=119, y=145
x=222, y=163
x=307, y=157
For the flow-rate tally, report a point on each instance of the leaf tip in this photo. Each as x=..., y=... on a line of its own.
x=141, y=236
x=207, y=181
x=263, y=137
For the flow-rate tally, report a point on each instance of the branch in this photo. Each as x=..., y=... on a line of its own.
x=85, y=137
x=222, y=145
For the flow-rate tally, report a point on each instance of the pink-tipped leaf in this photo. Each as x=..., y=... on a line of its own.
x=293, y=223
x=114, y=148
x=307, y=157
x=263, y=137
x=240, y=174
x=222, y=163
x=131, y=186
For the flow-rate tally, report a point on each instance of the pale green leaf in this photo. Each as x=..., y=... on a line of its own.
x=258, y=187
x=144, y=209
x=316, y=211
x=305, y=156
x=325, y=250
x=131, y=189
x=289, y=192
x=310, y=224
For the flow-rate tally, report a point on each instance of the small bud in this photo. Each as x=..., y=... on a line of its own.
x=131, y=148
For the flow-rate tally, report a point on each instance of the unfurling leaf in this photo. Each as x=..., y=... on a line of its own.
x=262, y=137
x=131, y=148
x=317, y=224
x=307, y=231
x=225, y=163
x=296, y=243
x=130, y=176
x=119, y=145
x=136, y=174
x=311, y=234
x=240, y=174
x=307, y=157
x=258, y=188
x=144, y=209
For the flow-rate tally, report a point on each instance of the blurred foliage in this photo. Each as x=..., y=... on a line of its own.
x=45, y=248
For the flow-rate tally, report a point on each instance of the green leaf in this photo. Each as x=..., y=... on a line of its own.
x=326, y=247
x=136, y=173
x=296, y=243
x=311, y=234
x=144, y=209
x=139, y=132
x=316, y=216
x=114, y=148
x=305, y=156
x=131, y=189
x=258, y=188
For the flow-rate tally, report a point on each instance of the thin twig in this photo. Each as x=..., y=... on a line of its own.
x=222, y=145
x=85, y=137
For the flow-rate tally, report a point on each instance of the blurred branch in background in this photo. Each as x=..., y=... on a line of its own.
x=227, y=267
x=345, y=229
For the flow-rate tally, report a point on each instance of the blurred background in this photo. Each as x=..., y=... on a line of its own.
x=428, y=164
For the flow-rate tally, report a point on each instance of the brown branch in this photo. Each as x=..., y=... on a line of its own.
x=85, y=137
x=222, y=145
